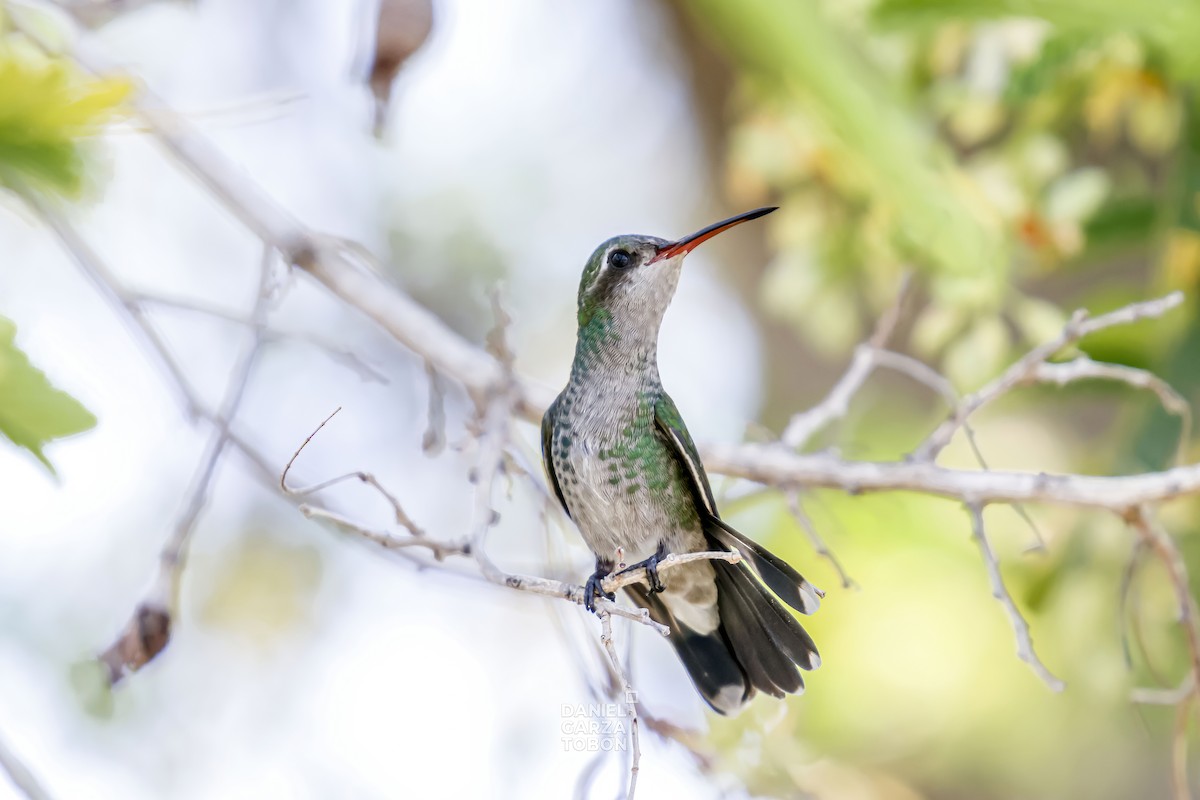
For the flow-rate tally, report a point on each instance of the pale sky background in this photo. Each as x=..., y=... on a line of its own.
x=538, y=126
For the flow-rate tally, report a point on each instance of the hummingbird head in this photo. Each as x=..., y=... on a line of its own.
x=629, y=280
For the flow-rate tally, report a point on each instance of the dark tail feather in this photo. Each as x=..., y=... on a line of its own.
x=709, y=659
x=773, y=634
x=776, y=573
x=768, y=668
x=757, y=644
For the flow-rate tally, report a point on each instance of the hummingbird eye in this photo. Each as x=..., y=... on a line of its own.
x=620, y=259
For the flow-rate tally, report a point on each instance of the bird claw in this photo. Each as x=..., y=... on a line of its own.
x=593, y=588
x=651, y=567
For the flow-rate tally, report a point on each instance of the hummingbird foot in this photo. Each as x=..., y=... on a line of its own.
x=651, y=567
x=593, y=589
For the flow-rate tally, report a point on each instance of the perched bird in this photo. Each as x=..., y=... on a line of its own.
x=624, y=467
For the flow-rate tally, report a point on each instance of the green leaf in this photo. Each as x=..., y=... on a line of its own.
x=50, y=113
x=32, y=411
x=93, y=688
x=1121, y=222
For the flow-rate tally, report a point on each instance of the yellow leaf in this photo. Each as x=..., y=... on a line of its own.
x=49, y=110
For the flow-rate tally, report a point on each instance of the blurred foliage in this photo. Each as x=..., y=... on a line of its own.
x=32, y=412
x=261, y=590
x=993, y=153
x=1026, y=158
x=49, y=110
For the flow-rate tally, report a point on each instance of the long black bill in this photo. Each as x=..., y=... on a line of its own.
x=689, y=243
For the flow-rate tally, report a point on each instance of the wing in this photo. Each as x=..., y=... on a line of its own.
x=547, y=449
x=670, y=424
x=776, y=573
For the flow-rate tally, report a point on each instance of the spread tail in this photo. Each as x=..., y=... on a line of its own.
x=757, y=644
x=708, y=658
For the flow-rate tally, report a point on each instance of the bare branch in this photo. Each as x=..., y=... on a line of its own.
x=587, y=776
x=774, y=466
x=398, y=511
x=149, y=631
x=1179, y=750
x=175, y=550
x=350, y=273
x=630, y=699
x=493, y=439
x=283, y=487
x=1025, y=649
x=386, y=540
x=836, y=405
x=20, y=776
x=1079, y=326
x=1124, y=593
x=474, y=546
x=1165, y=697
x=1084, y=368
x=920, y=372
x=621, y=579
x=927, y=376
x=95, y=13
x=434, y=439
x=1147, y=527
x=353, y=275
x=806, y=524
x=128, y=310
x=335, y=353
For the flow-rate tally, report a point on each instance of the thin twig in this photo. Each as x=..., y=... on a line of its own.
x=1025, y=649
x=1079, y=326
x=806, y=524
x=20, y=776
x=129, y=311
x=1165, y=697
x=629, y=701
x=1084, y=368
x=629, y=576
x=781, y=469
x=149, y=630
x=398, y=511
x=386, y=540
x=1124, y=592
x=587, y=776
x=339, y=355
x=927, y=376
x=1147, y=527
x=1179, y=750
x=806, y=424
x=433, y=441
x=175, y=550
x=354, y=276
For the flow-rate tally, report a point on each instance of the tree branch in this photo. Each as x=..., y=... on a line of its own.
x=629, y=699
x=20, y=776
x=353, y=275
x=1079, y=326
x=806, y=424
x=781, y=469
x=1025, y=649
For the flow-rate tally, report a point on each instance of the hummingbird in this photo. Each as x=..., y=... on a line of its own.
x=624, y=467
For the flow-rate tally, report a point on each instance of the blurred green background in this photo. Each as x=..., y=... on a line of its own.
x=1023, y=159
